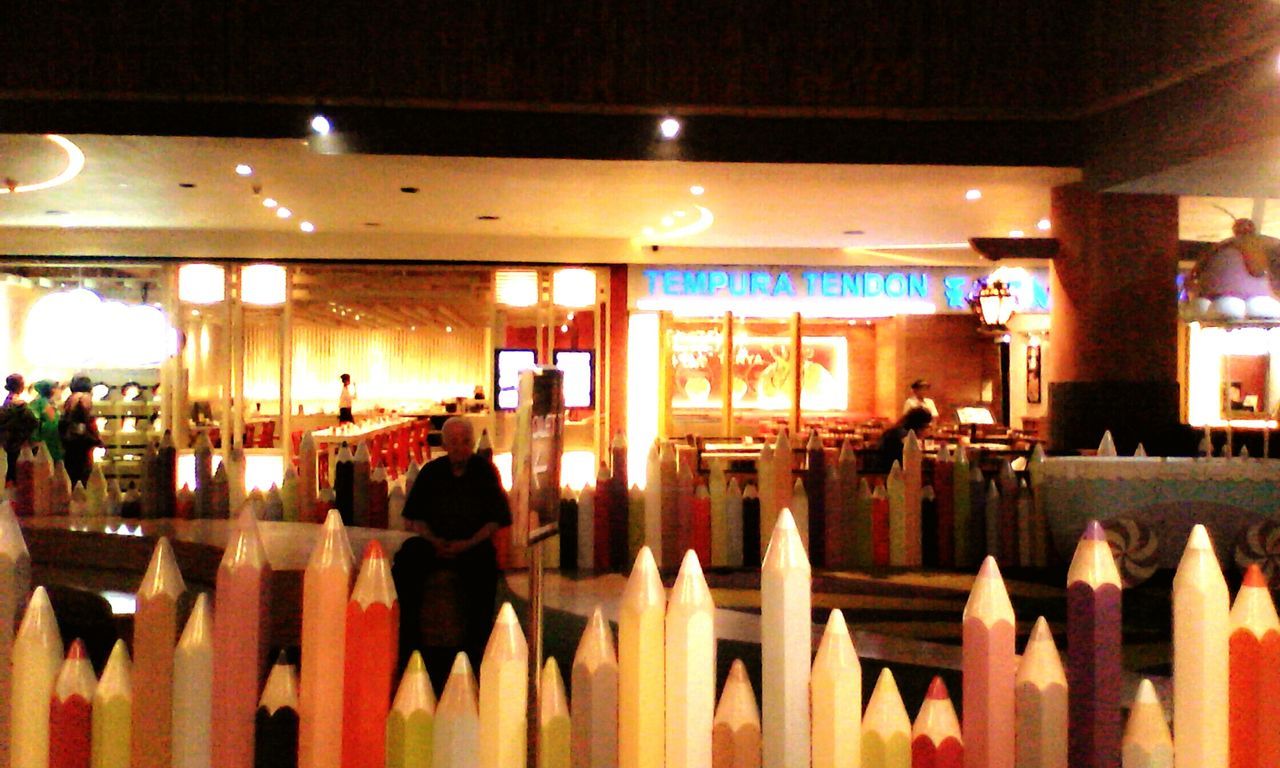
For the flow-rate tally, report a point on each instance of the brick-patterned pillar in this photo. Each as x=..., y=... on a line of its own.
x=1114, y=323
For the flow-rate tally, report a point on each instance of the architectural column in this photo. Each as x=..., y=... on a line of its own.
x=1114, y=322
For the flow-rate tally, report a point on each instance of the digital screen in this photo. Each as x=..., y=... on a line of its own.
x=579, y=378
x=507, y=365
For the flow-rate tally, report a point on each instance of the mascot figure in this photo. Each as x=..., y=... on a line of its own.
x=1233, y=282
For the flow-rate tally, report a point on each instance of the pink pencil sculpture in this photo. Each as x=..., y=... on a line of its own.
x=1093, y=651
x=735, y=736
x=243, y=611
x=989, y=665
x=935, y=737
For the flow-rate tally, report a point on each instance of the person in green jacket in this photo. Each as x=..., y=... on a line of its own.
x=44, y=409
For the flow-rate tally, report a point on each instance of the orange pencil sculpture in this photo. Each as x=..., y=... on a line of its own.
x=155, y=635
x=373, y=625
x=1255, y=690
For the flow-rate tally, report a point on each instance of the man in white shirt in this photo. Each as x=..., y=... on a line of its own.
x=345, y=398
x=917, y=399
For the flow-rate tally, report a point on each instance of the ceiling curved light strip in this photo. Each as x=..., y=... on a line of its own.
x=697, y=226
x=75, y=164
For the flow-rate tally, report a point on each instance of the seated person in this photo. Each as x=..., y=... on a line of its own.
x=890, y=449
x=455, y=506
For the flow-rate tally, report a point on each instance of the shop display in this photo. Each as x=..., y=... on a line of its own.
x=761, y=372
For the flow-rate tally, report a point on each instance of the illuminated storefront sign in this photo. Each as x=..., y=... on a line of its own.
x=859, y=292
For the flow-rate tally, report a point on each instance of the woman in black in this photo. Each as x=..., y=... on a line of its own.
x=79, y=431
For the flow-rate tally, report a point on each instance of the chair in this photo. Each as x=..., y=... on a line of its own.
x=266, y=436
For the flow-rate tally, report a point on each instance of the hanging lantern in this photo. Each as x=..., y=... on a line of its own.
x=994, y=304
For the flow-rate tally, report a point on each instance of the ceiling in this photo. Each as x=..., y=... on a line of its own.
x=128, y=201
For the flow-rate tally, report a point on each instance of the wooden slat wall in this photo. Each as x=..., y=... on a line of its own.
x=391, y=368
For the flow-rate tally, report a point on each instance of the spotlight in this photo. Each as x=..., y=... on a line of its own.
x=697, y=190
x=1044, y=225
x=669, y=128
x=307, y=226
x=1016, y=233
x=448, y=329
x=320, y=124
x=283, y=212
x=973, y=194
x=244, y=170
x=269, y=202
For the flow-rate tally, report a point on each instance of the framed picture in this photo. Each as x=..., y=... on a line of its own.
x=1033, y=374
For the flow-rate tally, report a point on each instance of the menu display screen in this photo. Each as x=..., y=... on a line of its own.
x=507, y=365
x=579, y=377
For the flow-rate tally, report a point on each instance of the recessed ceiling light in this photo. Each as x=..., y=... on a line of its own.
x=373, y=223
x=55, y=213
x=269, y=202
x=413, y=327
x=487, y=217
x=244, y=170
x=564, y=329
x=1044, y=225
x=448, y=329
x=973, y=194
x=697, y=190
x=667, y=221
x=307, y=226
x=669, y=128
x=1016, y=233
x=283, y=212
x=320, y=124
x=409, y=190
x=854, y=232
x=186, y=185
x=647, y=230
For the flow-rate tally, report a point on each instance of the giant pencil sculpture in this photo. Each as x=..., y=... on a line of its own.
x=717, y=489
x=1009, y=550
x=896, y=487
x=1040, y=705
x=691, y=668
x=344, y=475
x=553, y=719
x=594, y=715
x=619, y=519
x=835, y=540
x=641, y=680
x=784, y=486
x=1147, y=743
x=1093, y=652
x=1255, y=689
x=325, y=586
x=587, y=528
x=361, y=474
x=42, y=471
x=601, y=525
x=751, y=536
x=734, y=523
x=700, y=517
x=815, y=489
x=1201, y=626
x=23, y=493
x=849, y=528
x=239, y=644
x=155, y=635
x=652, y=500
x=989, y=665
x=379, y=513
x=37, y=656
x=635, y=523
x=935, y=737
x=799, y=507
x=735, y=735
x=204, y=478
x=15, y=580
x=886, y=727
x=409, y=723
x=912, y=481
x=504, y=676
x=786, y=635
x=277, y=719
x=373, y=626
x=965, y=542
x=455, y=741
x=765, y=477
x=112, y=712
x=685, y=489
x=193, y=688
x=70, y=714
x=669, y=524
x=307, y=479
x=836, y=698
x=945, y=498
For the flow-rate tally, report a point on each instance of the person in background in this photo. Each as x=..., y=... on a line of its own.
x=47, y=413
x=17, y=423
x=890, y=450
x=455, y=506
x=79, y=430
x=919, y=398
x=345, y=398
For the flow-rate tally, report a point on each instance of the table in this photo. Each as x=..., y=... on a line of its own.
x=330, y=439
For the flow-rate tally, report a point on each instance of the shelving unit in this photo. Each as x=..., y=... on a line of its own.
x=121, y=456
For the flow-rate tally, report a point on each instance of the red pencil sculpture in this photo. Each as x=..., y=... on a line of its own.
x=373, y=621
x=1254, y=718
x=71, y=711
x=935, y=738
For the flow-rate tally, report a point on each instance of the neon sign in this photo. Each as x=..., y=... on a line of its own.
x=865, y=292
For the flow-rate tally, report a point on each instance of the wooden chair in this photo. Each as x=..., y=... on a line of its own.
x=266, y=436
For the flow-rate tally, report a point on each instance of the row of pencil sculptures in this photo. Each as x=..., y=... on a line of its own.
x=198, y=698
x=951, y=518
